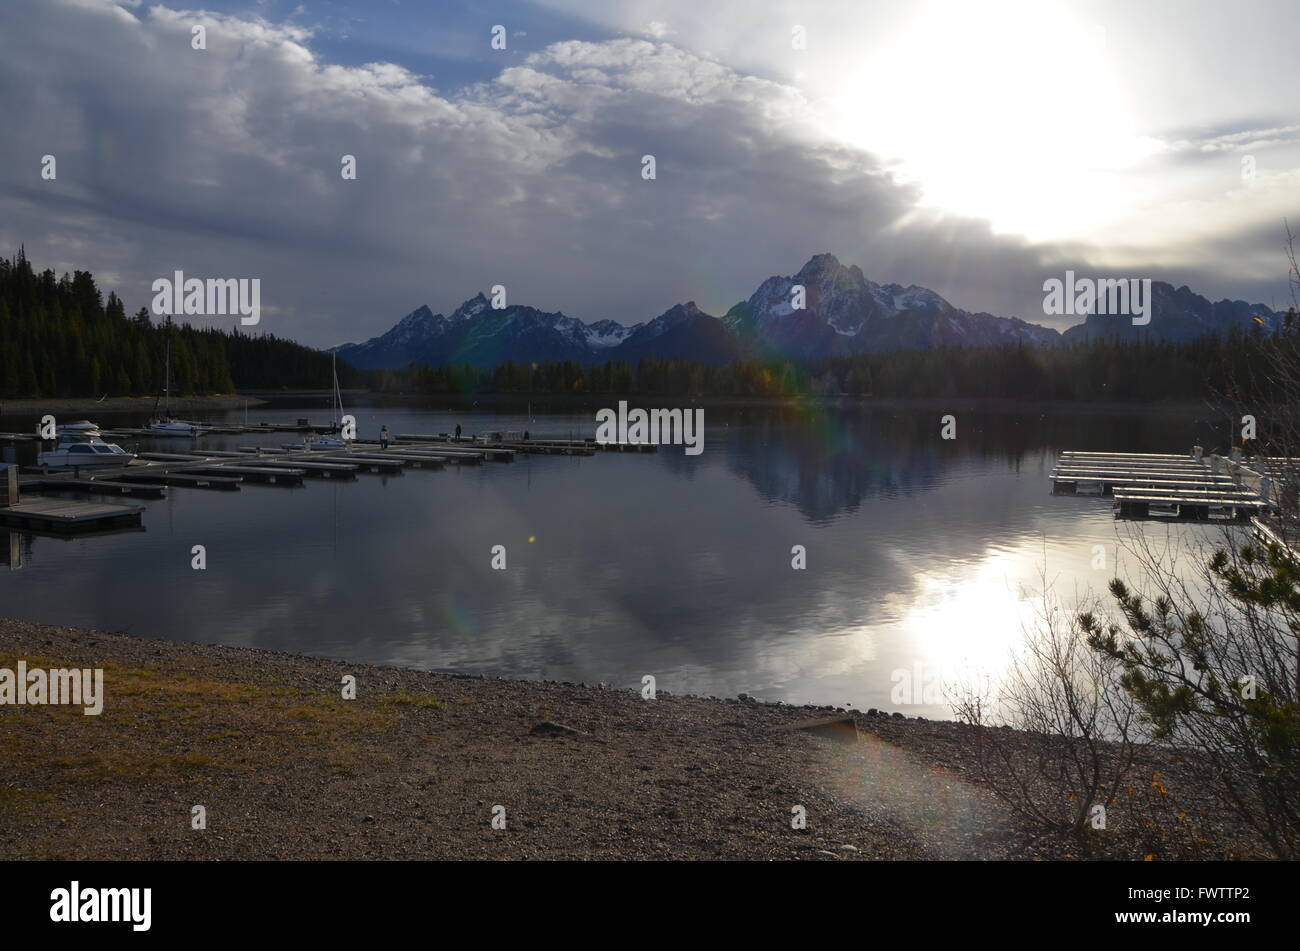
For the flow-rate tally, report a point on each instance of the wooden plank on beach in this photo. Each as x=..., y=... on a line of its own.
x=842, y=728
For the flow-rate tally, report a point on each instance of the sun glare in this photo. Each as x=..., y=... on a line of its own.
x=1011, y=112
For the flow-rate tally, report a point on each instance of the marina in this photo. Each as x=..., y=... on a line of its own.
x=393, y=564
x=1163, y=485
x=62, y=497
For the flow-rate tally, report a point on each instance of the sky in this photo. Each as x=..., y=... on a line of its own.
x=977, y=149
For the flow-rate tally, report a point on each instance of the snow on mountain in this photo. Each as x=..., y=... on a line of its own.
x=843, y=313
x=607, y=333
x=1179, y=314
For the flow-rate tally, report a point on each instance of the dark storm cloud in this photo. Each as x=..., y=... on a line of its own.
x=225, y=162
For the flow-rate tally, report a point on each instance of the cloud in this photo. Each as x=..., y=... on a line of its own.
x=1239, y=140
x=226, y=162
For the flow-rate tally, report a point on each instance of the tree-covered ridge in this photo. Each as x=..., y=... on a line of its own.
x=1101, y=369
x=59, y=337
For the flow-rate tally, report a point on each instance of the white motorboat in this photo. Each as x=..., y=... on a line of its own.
x=77, y=449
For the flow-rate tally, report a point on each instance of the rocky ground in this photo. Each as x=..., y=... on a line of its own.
x=417, y=764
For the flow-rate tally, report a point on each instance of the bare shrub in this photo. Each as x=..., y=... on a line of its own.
x=1055, y=738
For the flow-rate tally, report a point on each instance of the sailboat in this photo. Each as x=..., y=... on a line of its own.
x=335, y=439
x=167, y=425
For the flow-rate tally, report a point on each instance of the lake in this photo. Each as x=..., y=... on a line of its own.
x=922, y=554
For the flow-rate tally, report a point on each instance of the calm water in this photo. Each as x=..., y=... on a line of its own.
x=919, y=551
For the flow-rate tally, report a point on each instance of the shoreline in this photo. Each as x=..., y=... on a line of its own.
x=539, y=402
x=573, y=401
x=122, y=404
x=413, y=766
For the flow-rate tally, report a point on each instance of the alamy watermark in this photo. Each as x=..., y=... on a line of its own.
x=75, y=904
x=38, y=687
x=656, y=427
x=922, y=684
x=1106, y=296
x=213, y=297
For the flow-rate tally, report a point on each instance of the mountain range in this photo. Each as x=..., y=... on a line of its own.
x=843, y=313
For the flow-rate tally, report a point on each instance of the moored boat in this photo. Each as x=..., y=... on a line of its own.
x=81, y=448
x=172, y=427
x=166, y=424
x=333, y=440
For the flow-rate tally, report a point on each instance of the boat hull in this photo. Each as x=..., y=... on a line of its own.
x=61, y=459
x=172, y=429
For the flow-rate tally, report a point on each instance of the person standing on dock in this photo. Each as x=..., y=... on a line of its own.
x=458, y=432
x=383, y=437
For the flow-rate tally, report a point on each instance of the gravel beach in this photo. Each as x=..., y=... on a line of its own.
x=416, y=765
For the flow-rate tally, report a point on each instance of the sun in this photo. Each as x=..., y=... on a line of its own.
x=1012, y=111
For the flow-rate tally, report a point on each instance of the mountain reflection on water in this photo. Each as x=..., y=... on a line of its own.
x=922, y=553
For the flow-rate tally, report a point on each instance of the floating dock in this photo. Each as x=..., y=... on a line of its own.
x=188, y=466
x=1270, y=531
x=65, y=516
x=567, y=447
x=1165, y=485
x=142, y=490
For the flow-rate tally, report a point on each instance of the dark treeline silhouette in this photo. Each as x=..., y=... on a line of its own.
x=1098, y=370
x=59, y=337
x=270, y=362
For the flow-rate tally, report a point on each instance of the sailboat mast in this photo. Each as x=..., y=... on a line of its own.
x=167, y=371
x=338, y=397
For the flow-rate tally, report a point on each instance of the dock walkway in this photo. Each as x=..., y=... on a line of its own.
x=1192, y=487
x=153, y=472
x=43, y=513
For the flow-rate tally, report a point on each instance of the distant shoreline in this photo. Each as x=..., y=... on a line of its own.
x=122, y=404
x=540, y=402
x=566, y=402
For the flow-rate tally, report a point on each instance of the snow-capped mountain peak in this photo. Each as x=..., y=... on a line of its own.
x=472, y=308
x=842, y=313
